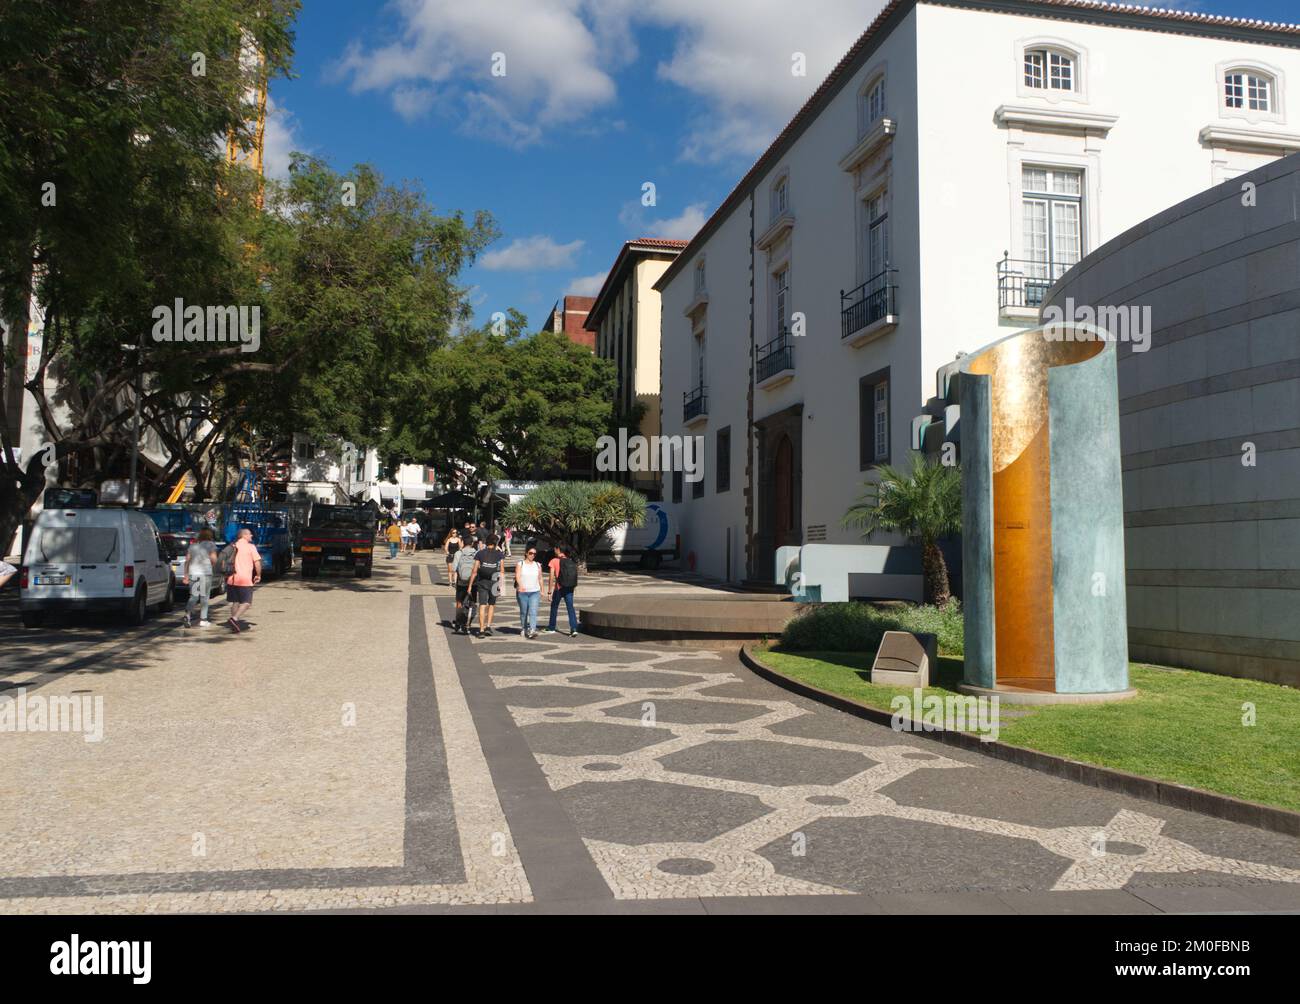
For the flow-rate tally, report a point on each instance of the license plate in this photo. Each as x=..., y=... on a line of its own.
x=54, y=580
x=336, y=557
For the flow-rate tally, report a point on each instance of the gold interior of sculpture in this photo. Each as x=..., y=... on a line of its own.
x=1022, y=502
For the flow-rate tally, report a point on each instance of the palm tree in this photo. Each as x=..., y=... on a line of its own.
x=924, y=504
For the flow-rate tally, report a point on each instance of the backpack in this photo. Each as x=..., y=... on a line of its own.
x=225, y=563
x=465, y=563
x=568, y=573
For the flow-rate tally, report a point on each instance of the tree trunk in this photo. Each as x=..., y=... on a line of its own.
x=17, y=498
x=936, y=574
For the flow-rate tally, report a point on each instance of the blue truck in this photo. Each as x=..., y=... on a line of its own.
x=272, y=532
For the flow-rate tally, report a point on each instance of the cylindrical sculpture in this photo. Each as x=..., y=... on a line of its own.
x=1043, y=515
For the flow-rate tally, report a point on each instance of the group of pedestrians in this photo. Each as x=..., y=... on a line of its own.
x=239, y=562
x=402, y=536
x=476, y=567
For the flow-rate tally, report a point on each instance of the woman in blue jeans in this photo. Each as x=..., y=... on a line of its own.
x=528, y=591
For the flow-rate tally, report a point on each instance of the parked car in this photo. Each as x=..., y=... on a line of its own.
x=94, y=559
x=178, y=528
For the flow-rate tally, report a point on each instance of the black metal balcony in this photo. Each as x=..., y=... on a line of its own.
x=694, y=403
x=874, y=300
x=774, y=357
x=1025, y=282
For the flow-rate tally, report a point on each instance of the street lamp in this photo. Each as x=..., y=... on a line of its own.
x=138, y=349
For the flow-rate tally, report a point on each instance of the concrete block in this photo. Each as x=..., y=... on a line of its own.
x=1279, y=543
x=1276, y=405
x=1229, y=348
x=905, y=659
x=1273, y=338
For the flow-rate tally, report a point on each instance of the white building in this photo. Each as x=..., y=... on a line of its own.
x=962, y=155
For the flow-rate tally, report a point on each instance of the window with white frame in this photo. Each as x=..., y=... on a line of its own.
x=697, y=359
x=880, y=419
x=1050, y=70
x=781, y=197
x=1052, y=199
x=874, y=101
x=1248, y=90
x=873, y=419
x=781, y=298
x=875, y=249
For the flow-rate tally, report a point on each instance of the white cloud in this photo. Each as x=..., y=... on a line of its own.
x=555, y=63
x=280, y=139
x=728, y=56
x=732, y=56
x=587, y=285
x=682, y=227
x=527, y=254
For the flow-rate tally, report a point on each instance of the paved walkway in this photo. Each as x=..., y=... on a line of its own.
x=348, y=753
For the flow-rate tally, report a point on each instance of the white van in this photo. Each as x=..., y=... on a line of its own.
x=648, y=546
x=94, y=559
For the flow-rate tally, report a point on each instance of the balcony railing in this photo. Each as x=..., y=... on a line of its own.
x=1024, y=283
x=694, y=403
x=774, y=357
x=874, y=300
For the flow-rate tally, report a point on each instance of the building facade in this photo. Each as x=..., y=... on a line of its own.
x=569, y=318
x=961, y=157
x=626, y=323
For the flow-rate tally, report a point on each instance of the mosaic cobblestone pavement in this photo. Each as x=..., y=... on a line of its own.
x=554, y=774
x=691, y=778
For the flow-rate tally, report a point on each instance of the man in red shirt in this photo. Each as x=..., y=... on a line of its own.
x=247, y=574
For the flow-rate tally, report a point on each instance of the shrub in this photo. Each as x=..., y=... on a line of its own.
x=858, y=627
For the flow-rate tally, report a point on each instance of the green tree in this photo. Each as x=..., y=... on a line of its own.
x=578, y=513
x=924, y=504
x=118, y=199
x=504, y=404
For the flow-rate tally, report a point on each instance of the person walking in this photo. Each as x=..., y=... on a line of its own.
x=463, y=567
x=197, y=574
x=413, y=535
x=247, y=574
x=394, y=536
x=560, y=585
x=450, y=546
x=528, y=591
x=485, y=583
x=508, y=535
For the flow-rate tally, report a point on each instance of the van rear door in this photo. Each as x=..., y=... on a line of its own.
x=51, y=561
x=99, y=561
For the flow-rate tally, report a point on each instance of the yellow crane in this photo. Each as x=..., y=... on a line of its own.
x=253, y=62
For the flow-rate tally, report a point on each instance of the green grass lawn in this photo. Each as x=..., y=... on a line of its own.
x=1183, y=726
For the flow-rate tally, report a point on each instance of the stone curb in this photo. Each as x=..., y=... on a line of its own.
x=1177, y=796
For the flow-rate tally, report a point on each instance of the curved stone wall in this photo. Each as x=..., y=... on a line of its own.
x=1209, y=387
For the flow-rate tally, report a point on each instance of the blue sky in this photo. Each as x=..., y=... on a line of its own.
x=597, y=97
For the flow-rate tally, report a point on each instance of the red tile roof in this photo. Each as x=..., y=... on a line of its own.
x=833, y=81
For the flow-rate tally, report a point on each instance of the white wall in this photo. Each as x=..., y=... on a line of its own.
x=954, y=187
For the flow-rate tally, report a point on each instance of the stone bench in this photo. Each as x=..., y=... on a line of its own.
x=905, y=659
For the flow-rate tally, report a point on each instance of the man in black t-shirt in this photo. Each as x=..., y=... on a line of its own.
x=485, y=583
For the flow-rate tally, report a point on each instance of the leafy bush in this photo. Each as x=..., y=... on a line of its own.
x=858, y=627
